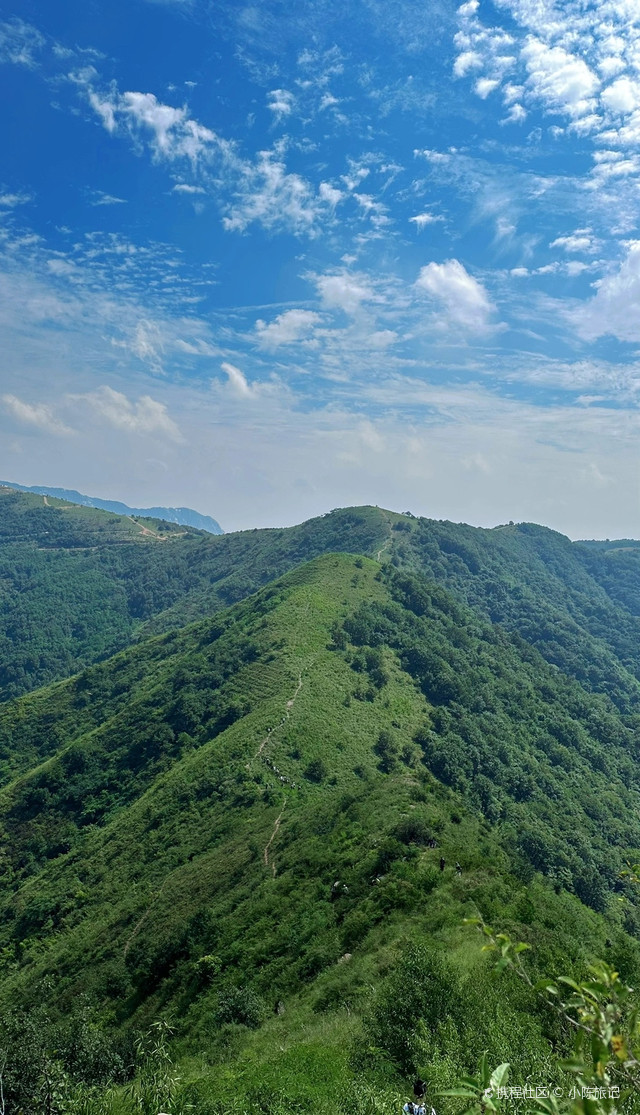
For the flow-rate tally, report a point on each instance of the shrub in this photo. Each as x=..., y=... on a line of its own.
x=240, y=1005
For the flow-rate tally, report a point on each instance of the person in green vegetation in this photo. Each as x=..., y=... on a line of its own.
x=417, y=1108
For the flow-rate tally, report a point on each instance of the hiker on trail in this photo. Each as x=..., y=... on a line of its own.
x=458, y=868
x=442, y=863
x=419, y=1088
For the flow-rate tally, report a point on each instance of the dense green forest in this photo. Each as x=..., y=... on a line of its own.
x=236, y=829
x=238, y=854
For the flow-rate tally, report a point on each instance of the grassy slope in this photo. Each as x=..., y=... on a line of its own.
x=139, y=851
x=78, y=584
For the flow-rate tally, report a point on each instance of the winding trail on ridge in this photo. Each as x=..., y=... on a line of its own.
x=272, y=838
x=290, y=704
x=383, y=548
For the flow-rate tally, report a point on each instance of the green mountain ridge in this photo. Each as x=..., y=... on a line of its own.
x=238, y=817
x=184, y=516
x=71, y=596
x=236, y=822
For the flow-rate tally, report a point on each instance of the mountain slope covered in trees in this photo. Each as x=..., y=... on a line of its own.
x=238, y=827
x=78, y=584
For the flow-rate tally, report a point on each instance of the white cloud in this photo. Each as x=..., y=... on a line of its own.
x=464, y=300
x=291, y=326
x=20, y=43
x=107, y=199
x=614, y=164
x=610, y=66
x=623, y=96
x=328, y=101
x=146, y=416
x=561, y=81
x=148, y=344
x=185, y=188
x=467, y=61
x=486, y=85
x=382, y=338
x=105, y=108
x=281, y=103
x=269, y=195
x=10, y=201
x=63, y=268
x=516, y=115
x=330, y=194
x=35, y=414
x=261, y=191
x=237, y=381
x=615, y=308
x=357, y=173
x=170, y=131
x=344, y=291
x=421, y=220
x=376, y=211
x=579, y=241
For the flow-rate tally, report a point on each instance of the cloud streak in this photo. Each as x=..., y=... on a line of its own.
x=36, y=415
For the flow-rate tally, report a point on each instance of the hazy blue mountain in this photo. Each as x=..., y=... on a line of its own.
x=185, y=516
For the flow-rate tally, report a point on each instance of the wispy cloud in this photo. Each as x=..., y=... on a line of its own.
x=614, y=310
x=146, y=416
x=288, y=328
x=423, y=220
x=187, y=188
x=344, y=291
x=171, y=133
x=281, y=103
x=267, y=194
x=100, y=198
x=11, y=201
x=38, y=415
x=20, y=43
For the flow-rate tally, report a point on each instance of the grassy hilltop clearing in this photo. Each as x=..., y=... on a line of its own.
x=235, y=829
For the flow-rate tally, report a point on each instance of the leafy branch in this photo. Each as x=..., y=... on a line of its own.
x=604, y=1016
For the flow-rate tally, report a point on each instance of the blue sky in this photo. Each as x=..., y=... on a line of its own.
x=269, y=259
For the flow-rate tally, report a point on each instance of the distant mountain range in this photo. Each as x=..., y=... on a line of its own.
x=185, y=516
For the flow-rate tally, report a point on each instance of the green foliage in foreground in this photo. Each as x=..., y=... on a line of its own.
x=604, y=1015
